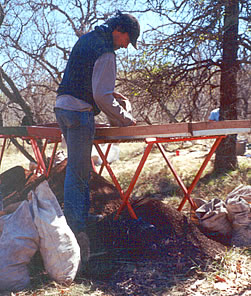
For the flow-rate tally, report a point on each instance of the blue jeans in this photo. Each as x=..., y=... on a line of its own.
x=78, y=129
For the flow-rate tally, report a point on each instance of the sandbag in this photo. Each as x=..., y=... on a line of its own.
x=213, y=217
x=242, y=237
x=58, y=245
x=18, y=243
x=242, y=192
x=198, y=203
x=239, y=213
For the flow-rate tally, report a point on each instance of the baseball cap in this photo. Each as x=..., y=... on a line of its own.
x=131, y=25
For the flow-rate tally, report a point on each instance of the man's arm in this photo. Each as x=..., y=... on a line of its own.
x=103, y=84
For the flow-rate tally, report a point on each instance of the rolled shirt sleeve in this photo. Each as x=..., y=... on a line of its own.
x=103, y=84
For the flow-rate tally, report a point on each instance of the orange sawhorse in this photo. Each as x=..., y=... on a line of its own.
x=52, y=135
x=39, y=155
x=125, y=196
x=33, y=134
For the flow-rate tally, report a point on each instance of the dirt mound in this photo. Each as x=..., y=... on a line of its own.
x=141, y=257
x=161, y=234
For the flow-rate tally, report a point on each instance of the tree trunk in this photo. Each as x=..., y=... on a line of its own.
x=226, y=158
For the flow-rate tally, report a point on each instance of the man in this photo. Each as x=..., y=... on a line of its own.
x=87, y=88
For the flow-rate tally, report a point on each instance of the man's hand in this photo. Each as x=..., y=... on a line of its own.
x=123, y=101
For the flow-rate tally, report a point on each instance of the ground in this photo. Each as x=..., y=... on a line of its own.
x=161, y=253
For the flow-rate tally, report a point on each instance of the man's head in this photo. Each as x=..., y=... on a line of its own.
x=125, y=23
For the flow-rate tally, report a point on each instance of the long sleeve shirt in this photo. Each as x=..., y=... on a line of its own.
x=103, y=84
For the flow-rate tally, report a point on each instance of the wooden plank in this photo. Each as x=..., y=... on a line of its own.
x=226, y=127
x=44, y=132
x=143, y=131
x=139, y=132
x=41, y=132
x=14, y=131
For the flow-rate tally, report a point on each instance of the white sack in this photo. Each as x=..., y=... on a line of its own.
x=242, y=236
x=213, y=216
x=239, y=212
x=58, y=245
x=18, y=243
x=113, y=154
x=242, y=192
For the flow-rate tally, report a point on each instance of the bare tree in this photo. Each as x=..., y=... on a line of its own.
x=190, y=62
x=36, y=37
x=177, y=74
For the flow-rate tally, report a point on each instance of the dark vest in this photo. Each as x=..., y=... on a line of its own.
x=77, y=79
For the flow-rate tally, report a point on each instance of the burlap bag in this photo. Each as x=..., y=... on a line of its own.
x=242, y=192
x=239, y=213
x=213, y=216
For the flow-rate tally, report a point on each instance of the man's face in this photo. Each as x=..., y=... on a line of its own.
x=120, y=40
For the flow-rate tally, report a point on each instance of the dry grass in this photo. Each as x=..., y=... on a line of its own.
x=228, y=276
